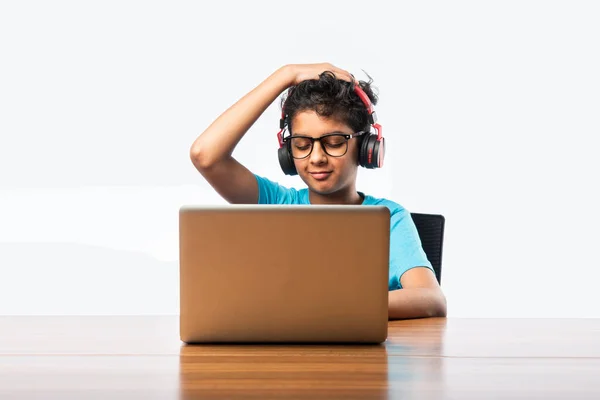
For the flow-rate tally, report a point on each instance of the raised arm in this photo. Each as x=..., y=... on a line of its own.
x=211, y=151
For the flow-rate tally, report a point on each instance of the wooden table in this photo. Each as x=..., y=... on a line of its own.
x=142, y=357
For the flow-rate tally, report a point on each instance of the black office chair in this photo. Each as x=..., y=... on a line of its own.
x=431, y=232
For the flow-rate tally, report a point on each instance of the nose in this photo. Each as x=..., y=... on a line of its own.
x=318, y=155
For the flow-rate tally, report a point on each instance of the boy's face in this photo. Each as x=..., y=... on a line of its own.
x=323, y=173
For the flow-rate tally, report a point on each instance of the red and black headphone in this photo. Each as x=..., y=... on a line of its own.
x=371, y=152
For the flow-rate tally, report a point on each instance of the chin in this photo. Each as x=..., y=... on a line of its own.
x=322, y=191
x=324, y=188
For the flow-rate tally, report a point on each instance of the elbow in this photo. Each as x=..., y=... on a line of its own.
x=200, y=158
x=439, y=308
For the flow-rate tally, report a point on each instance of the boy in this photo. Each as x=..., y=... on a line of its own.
x=327, y=118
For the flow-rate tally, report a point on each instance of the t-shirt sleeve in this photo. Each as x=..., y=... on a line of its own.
x=270, y=192
x=406, y=251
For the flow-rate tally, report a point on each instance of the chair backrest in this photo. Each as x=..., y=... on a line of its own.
x=431, y=232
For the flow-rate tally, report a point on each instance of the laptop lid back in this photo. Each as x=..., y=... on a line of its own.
x=284, y=273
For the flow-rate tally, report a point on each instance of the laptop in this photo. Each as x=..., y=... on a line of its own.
x=284, y=273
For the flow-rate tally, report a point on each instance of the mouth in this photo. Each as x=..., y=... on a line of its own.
x=320, y=175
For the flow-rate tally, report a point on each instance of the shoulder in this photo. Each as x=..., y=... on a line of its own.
x=396, y=210
x=402, y=225
x=270, y=192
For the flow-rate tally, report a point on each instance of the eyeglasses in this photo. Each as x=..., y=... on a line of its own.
x=334, y=144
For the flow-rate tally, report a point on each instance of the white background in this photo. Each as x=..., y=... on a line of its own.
x=490, y=111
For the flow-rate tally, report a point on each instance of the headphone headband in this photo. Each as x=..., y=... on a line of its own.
x=372, y=116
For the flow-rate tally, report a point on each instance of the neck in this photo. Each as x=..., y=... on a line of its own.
x=350, y=196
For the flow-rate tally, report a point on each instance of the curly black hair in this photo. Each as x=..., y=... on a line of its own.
x=330, y=97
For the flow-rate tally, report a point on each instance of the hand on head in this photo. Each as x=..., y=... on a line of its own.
x=302, y=72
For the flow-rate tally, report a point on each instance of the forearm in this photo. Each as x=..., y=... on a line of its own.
x=416, y=303
x=218, y=141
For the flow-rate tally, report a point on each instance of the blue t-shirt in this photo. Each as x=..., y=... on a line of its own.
x=406, y=251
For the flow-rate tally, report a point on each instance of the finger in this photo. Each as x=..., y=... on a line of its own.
x=345, y=75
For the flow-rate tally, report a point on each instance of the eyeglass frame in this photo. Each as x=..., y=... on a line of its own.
x=347, y=136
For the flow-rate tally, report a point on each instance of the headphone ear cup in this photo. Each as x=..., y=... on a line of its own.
x=371, y=152
x=286, y=162
x=366, y=151
x=362, y=150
